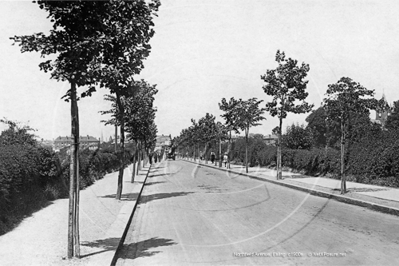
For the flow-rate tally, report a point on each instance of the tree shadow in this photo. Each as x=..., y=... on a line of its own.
x=148, y=198
x=105, y=244
x=154, y=183
x=154, y=169
x=124, y=197
x=152, y=176
x=143, y=248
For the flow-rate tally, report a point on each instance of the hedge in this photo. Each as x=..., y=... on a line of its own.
x=31, y=176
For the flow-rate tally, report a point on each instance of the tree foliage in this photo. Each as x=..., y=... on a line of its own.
x=287, y=85
x=393, y=119
x=297, y=137
x=96, y=42
x=344, y=99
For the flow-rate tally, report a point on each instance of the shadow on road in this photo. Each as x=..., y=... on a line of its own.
x=159, y=196
x=148, y=198
x=126, y=196
x=152, y=176
x=105, y=244
x=142, y=248
x=154, y=169
x=154, y=183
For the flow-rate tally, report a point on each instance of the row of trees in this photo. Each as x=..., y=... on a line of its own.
x=346, y=102
x=94, y=43
x=134, y=114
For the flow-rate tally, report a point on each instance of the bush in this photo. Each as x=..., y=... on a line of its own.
x=25, y=171
x=93, y=165
x=31, y=175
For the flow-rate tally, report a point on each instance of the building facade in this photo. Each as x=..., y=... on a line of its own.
x=270, y=139
x=84, y=142
x=163, y=141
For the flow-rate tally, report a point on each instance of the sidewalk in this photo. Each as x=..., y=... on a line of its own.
x=383, y=199
x=42, y=238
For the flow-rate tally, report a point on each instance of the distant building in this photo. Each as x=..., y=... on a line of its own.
x=46, y=143
x=270, y=139
x=84, y=142
x=163, y=141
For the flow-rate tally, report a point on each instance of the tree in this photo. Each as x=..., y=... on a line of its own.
x=317, y=127
x=16, y=135
x=221, y=135
x=297, y=137
x=139, y=113
x=96, y=41
x=287, y=86
x=140, y=125
x=275, y=130
x=247, y=114
x=196, y=136
x=344, y=99
x=73, y=38
x=393, y=119
x=230, y=117
x=208, y=131
x=128, y=30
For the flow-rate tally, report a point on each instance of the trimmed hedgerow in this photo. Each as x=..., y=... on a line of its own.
x=373, y=159
x=31, y=176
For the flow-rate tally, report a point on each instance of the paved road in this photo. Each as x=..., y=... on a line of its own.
x=191, y=215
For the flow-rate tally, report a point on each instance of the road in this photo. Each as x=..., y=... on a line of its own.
x=191, y=215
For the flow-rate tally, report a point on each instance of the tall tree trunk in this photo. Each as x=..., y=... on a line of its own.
x=116, y=138
x=246, y=151
x=141, y=157
x=220, y=152
x=77, y=197
x=279, y=170
x=138, y=158
x=229, y=151
x=73, y=225
x=122, y=142
x=199, y=153
x=205, y=157
x=343, y=177
x=134, y=163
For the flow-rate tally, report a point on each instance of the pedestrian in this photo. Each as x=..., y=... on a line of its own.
x=225, y=158
x=213, y=157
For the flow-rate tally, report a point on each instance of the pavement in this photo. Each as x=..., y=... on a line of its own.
x=378, y=198
x=41, y=239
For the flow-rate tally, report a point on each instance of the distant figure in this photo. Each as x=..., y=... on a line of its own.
x=213, y=157
x=225, y=158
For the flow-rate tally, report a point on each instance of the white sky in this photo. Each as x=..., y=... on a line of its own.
x=204, y=50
